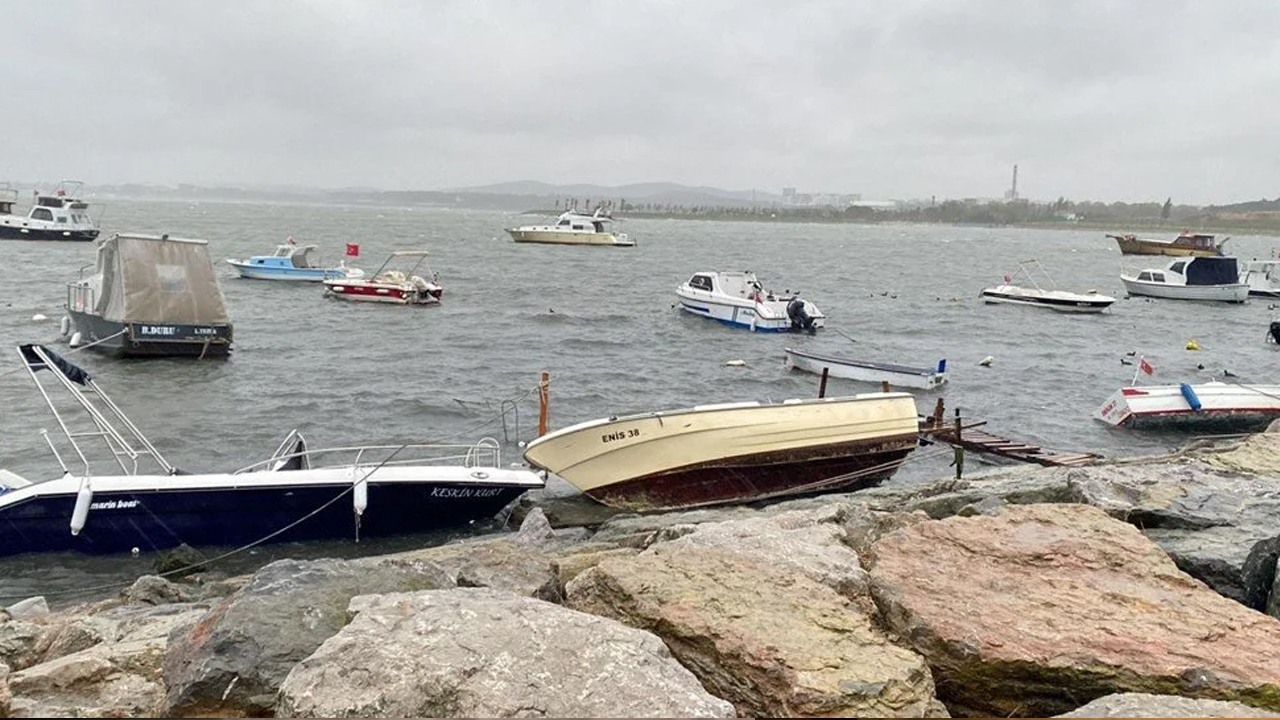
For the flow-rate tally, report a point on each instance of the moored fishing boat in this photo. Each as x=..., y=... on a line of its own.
x=1194, y=278
x=924, y=378
x=292, y=262
x=738, y=299
x=150, y=296
x=1186, y=244
x=732, y=452
x=142, y=501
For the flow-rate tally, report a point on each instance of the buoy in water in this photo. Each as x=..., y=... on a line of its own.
x=735, y=363
x=39, y=317
x=986, y=361
x=75, y=340
x=1193, y=345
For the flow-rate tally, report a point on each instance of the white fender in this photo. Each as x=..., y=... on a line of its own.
x=81, y=512
x=65, y=325
x=360, y=496
x=75, y=340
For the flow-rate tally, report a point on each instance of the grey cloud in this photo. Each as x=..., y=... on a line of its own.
x=1093, y=100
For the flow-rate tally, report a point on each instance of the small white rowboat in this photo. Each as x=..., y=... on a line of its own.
x=841, y=367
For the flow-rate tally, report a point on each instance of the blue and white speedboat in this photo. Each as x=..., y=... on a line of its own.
x=292, y=262
x=738, y=299
x=115, y=492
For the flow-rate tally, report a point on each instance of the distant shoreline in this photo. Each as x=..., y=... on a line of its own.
x=1261, y=228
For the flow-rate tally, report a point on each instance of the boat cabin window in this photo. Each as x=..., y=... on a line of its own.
x=700, y=282
x=62, y=219
x=579, y=227
x=1179, y=267
x=41, y=214
x=1149, y=276
x=599, y=226
x=562, y=223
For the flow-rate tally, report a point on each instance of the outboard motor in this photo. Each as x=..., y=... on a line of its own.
x=800, y=319
x=1273, y=332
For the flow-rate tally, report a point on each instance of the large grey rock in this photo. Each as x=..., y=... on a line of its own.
x=106, y=680
x=768, y=638
x=1217, y=523
x=19, y=644
x=155, y=590
x=499, y=563
x=480, y=652
x=1273, y=602
x=811, y=542
x=641, y=531
x=5, y=697
x=563, y=506
x=1144, y=705
x=233, y=660
x=1042, y=607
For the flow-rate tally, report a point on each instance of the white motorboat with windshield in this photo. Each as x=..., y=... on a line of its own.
x=738, y=299
x=1193, y=278
x=573, y=228
x=1022, y=288
x=59, y=215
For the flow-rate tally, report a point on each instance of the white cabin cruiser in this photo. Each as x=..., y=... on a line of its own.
x=60, y=215
x=1029, y=292
x=1262, y=277
x=1193, y=278
x=573, y=228
x=739, y=300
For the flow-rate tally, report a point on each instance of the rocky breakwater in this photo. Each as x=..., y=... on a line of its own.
x=1025, y=593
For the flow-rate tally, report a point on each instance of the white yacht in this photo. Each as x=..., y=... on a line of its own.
x=573, y=228
x=1193, y=278
x=739, y=300
x=59, y=215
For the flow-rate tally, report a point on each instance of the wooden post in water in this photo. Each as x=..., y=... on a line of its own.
x=939, y=413
x=543, y=399
x=822, y=385
x=884, y=386
x=959, y=449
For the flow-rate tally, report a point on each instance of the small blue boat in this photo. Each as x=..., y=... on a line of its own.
x=292, y=262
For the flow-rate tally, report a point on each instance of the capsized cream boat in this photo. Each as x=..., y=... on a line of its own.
x=733, y=452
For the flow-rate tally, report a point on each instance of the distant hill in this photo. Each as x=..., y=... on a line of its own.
x=661, y=193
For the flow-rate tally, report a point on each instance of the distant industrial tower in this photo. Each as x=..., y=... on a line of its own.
x=1013, y=191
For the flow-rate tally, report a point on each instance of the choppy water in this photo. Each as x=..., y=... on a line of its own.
x=601, y=321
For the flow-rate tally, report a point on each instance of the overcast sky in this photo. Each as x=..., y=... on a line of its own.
x=901, y=99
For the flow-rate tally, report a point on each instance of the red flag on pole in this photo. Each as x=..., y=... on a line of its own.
x=353, y=249
x=291, y=241
x=1007, y=279
x=1145, y=366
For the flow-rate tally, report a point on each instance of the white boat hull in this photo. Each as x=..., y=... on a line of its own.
x=763, y=316
x=568, y=237
x=1234, y=293
x=1056, y=300
x=1222, y=405
x=895, y=375
x=734, y=452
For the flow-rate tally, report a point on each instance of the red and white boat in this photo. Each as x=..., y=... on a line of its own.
x=416, y=285
x=1214, y=404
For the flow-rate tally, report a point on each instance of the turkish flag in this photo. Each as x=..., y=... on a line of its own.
x=353, y=249
x=1145, y=366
